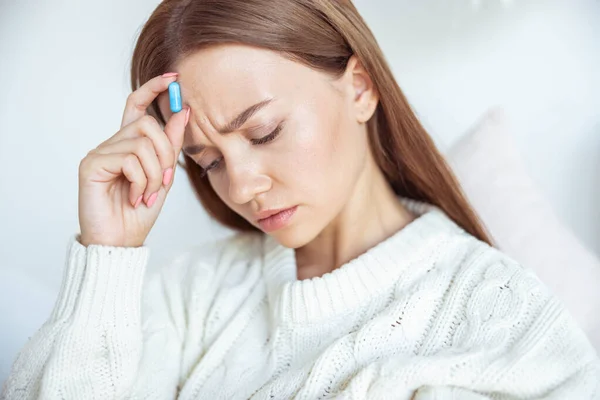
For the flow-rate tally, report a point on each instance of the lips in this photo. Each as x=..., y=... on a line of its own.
x=277, y=220
x=269, y=213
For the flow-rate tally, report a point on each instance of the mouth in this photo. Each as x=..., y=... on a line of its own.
x=273, y=220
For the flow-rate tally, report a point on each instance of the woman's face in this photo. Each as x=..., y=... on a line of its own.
x=304, y=146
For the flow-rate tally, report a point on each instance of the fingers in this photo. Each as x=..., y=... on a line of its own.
x=139, y=100
x=141, y=150
x=117, y=164
x=135, y=174
x=145, y=151
x=149, y=127
x=137, y=123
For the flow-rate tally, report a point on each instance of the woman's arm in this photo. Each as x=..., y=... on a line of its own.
x=96, y=344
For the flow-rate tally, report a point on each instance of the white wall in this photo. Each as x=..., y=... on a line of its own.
x=64, y=80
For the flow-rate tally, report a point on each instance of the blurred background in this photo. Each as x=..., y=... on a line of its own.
x=64, y=81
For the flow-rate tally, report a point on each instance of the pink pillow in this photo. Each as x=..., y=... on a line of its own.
x=522, y=221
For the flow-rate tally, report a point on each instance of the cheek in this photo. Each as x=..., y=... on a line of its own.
x=314, y=154
x=309, y=152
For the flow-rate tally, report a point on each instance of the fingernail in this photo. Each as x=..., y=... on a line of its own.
x=139, y=200
x=187, y=116
x=169, y=74
x=167, y=176
x=152, y=199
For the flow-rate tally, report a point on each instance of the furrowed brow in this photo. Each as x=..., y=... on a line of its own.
x=232, y=126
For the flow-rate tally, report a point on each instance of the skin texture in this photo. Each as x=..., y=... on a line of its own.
x=321, y=161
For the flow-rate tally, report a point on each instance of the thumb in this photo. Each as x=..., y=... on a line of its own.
x=175, y=129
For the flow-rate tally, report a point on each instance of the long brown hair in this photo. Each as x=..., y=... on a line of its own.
x=322, y=34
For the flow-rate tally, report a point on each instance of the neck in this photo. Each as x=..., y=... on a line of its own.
x=372, y=214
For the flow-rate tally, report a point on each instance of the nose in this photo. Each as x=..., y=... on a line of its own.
x=246, y=181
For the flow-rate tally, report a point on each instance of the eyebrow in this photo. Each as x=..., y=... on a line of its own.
x=232, y=126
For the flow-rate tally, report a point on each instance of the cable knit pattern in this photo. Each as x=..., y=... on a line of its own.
x=429, y=313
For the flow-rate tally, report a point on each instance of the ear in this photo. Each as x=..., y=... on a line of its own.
x=364, y=96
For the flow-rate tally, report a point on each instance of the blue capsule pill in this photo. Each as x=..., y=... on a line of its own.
x=175, y=97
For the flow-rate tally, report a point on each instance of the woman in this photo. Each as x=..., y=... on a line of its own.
x=358, y=271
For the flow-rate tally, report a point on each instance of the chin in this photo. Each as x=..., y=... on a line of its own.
x=292, y=237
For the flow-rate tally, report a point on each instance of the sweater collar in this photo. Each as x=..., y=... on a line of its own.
x=344, y=289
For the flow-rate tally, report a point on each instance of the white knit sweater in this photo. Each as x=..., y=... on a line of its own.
x=430, y=312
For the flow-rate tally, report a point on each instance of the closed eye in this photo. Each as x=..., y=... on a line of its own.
x=271, y=136
x=266, y=139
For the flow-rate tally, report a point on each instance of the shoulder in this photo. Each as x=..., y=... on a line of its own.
x=491, y=279
x=484, y=263
x=470, y=262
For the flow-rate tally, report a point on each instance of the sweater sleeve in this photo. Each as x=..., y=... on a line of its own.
x=109, y=319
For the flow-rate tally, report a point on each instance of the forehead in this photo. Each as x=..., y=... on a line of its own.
x=220, y=81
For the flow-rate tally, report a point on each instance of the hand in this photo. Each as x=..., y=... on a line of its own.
x=123, y=182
